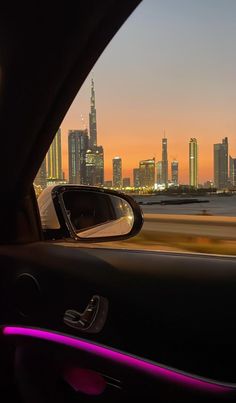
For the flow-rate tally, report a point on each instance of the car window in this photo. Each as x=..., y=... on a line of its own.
x=156, y=120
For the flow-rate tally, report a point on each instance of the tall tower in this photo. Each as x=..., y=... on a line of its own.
x=164, y=161
x=99, y=160
x=193, y=163
x=77, y=148
x=92, y=119
x=117, y=172
x=221, y=164
x=147, y=173
x=232, y=171
x=95, y=166
x=54, y=158
x=175, y=172
x=136, y=177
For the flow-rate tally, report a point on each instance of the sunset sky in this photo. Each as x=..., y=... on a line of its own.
x=171, y=66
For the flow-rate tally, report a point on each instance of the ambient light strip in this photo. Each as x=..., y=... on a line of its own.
x=121, y=358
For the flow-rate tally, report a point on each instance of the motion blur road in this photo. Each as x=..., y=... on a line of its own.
x=215, y=227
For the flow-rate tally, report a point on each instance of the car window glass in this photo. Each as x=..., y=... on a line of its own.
x=156, y=119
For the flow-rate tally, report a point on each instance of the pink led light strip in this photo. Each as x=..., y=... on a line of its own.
x=133, y=362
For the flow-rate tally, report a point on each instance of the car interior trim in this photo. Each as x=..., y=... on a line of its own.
x=145, y=366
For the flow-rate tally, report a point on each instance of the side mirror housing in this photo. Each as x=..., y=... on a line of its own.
x=88, y=214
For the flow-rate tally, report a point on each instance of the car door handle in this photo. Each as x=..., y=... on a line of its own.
x=92, y=319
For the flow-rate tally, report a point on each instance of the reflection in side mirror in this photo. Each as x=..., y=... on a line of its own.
x=88, y=213
x=95, y=215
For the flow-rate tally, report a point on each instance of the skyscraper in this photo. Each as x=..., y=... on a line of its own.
x=90, y=164
x=41, y=177
x=92, y=119
x=136, y=177
x=77, y=148
x=147, y=173
x=232, y=171
x=164, y=178
x=99, y=162
x=94, y=162
x=159, y=172
x=54, y=158
x=175, y=172
x=193, y=163
x=117, y=172
x=94, y=174
x=221, y=164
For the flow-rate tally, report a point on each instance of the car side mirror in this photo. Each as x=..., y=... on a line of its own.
x=89, y=214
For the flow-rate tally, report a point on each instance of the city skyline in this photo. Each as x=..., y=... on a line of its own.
x=163, y=173
x=86, y=162
x=179, y=77
x=86, y=166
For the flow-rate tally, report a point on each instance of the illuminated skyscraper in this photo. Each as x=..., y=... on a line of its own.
x=232, y=171
x=193, y=163
x=90, y=163
x=221, y=164
x=136, y=178
x=99, y=162
x=54, y=158
x=175, y=172
x=117, y=172
x=164, y=178
x=77, y=148
x=147, y=173
x=94, y=161
x=94, y=174
x=92, y=119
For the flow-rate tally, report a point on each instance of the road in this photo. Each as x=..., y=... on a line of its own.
x=197, y=226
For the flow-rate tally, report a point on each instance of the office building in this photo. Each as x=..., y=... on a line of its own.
x=193, y=163
x=147, y=173
x=99, y=166
x=117, y=172
x=232, y=171
x=54, y=158
x=221, y=164
x=136, y=179
x=90, y=164
x=175, y=172
x=77, y=148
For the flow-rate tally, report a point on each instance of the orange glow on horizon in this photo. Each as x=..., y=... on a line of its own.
x=122, y=145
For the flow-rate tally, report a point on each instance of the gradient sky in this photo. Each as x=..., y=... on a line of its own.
x=171, y=66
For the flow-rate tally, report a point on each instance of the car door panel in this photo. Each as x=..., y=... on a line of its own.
x=167, y=308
